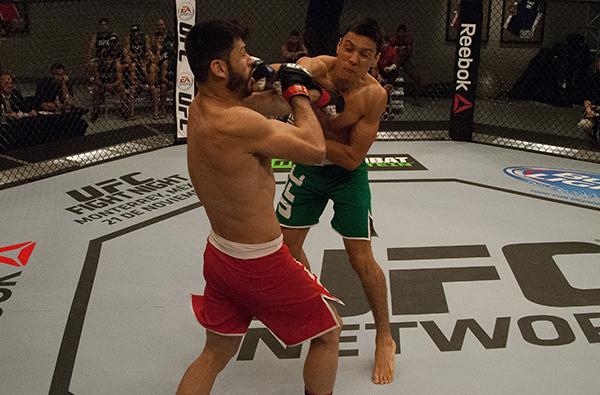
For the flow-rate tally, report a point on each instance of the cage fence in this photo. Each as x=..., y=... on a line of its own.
x=536, y=70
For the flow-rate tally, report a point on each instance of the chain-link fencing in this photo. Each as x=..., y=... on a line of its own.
x=83, y=82
x=535, y=72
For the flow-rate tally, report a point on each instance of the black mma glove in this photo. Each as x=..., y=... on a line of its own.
x=263, y=74
x=331, y=102
x=295, y=80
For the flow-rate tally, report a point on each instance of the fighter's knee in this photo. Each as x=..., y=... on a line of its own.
x=331, y=338
x=220, y=354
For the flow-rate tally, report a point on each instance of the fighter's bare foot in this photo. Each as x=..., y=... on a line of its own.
x=385, y=352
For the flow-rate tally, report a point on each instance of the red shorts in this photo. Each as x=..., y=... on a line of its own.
x=276, y=289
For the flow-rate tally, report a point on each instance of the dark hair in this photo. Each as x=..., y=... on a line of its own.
x=102, y=20
x=211, y=40
x=401, y=28
x=57, y=66
x=367, y=27
x=295, y=33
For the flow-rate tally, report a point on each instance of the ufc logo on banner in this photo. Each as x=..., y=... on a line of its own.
x=184, y=89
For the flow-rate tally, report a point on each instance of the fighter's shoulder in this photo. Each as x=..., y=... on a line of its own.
x=373, y=94
x=317, y=65
x=240, y=121
x=373, y=88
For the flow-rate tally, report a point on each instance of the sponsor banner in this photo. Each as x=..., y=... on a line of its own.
x=374, y=162
x=466, y=69
x=573, y=185
x=120, y=200
x=184, y=87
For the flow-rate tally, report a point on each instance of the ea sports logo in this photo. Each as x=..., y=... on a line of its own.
x=185, y=82
x=186, y=11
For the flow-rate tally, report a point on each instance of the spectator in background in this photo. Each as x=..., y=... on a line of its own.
x=403, y=42
x=165, y=36
x=137, y=63
x=589, y=121
x=108, y=79
x=54, y=94
x=591, y=103
x=293, y=49
x=386, y=65
x=99, y=44
x=161, y=71
x=11, y=20
x=12, y=103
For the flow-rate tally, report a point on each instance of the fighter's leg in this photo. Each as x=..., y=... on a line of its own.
x=300, y=206
x=374, y=284
x=294, y=238
x=201, y=374
x=320, y=366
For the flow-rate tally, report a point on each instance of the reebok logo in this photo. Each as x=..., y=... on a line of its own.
x=22, y=256
x=463, y=75
x=16, y=255
x=461, y=104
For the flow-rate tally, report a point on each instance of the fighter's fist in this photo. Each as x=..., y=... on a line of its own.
x=295, y=80
x=262, y=74
x=331, y=102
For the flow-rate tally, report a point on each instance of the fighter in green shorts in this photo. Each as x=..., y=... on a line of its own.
x=308, y=190
x=348, y=137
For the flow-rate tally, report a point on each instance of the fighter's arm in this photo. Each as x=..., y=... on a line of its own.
x=362, y=135
x=270, y=102
x=315, y=65
x=302, y=142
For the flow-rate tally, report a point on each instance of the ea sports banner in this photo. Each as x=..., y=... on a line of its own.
x=466, y=68
x=184, y=87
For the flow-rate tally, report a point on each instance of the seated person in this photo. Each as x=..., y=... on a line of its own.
x=13, y=104
x=136, y=77
x=403, y=41
x=55, y=94
x=162, y=64
x=21, y=125
x=591, y=93
x=589, y=122
x=386, y=65
x=293, y=49
x=108, y=79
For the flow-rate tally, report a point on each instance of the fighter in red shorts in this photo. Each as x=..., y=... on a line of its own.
x=249, y=272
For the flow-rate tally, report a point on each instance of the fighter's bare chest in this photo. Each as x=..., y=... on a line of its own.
x=342, y=122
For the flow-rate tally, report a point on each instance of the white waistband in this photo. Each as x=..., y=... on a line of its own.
x=326, y=162
x=245, y=251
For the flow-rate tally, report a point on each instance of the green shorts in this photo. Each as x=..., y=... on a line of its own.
x=308, y=190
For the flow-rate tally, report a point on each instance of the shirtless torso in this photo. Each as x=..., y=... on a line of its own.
x=230, y=147
x=235, y=186
x=356, y=127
